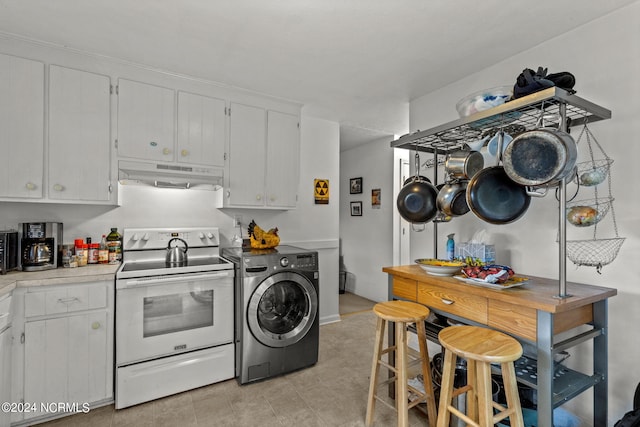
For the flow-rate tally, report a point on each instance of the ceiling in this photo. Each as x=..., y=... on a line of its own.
x=358, y=62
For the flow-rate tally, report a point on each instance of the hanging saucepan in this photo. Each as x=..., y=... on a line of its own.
x=416, y=201
x=493, y=197
x=540, y=157
x=463, y=164
x=452, y=200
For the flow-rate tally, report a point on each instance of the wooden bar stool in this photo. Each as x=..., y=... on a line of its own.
x=480, y=347
x=402, y=313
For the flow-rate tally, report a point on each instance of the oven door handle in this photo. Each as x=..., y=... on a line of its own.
x=146, y=281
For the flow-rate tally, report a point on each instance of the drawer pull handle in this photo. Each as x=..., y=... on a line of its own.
x=447, y=301
x=68, y=300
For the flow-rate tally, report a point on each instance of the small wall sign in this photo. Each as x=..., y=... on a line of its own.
x=356, y=208
x=321, y=191
x=355, y=185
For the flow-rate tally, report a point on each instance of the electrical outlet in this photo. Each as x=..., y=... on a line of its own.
x=237, y=220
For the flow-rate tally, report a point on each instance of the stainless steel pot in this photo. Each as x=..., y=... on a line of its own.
x=452, y=199
x=462, y=164
x=540, y=157
x=493, y=197
x=177, y=255
x=416, y=200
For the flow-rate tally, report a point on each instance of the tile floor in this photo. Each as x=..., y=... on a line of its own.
x=331, y=393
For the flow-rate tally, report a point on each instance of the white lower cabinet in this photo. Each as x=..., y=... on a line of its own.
x=66, y=349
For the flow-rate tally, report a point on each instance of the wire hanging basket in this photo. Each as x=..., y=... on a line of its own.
x=593, y=172
x=595, y=252
x=588, y=212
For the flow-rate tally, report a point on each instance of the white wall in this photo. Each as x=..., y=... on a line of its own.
x=310, y=226
x=367, y=240
x=604, y=55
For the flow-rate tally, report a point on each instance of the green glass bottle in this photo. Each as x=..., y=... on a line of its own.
x=114, y=243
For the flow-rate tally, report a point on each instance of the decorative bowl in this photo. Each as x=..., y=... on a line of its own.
x=483, y=100
x=440, y=267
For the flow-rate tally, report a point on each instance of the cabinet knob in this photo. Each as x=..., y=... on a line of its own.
x=30, y=186
x=166, y=151
x=272, y=198
x=258, y=196
x=58, y=187
x=184, y=153
x=95, y=325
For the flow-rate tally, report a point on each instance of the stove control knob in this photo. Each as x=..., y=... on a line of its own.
x=145, y=237
x=210, y=235
x=284, y=261
x=200, y=235
x=135, y=237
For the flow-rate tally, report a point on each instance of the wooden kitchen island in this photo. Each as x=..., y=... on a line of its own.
x=536, y=316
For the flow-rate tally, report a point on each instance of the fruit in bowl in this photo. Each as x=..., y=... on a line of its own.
x=489, y=273
x=440, y=267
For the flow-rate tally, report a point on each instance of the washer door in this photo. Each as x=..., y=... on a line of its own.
x=282, y=309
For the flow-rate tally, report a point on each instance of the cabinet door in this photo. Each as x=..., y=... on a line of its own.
x=5, y=373
x=66, y=360
x=201, y=129
x=79, y=126
x=21, y=127
x=146, y=121
x=283, y=159
x=247, y=146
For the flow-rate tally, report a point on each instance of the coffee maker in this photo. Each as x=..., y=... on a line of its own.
x=39, y=245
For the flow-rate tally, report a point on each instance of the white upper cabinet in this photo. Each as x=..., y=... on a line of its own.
x=21, y=127
x=146, y=121
x=247, y=148
x=283, y=159
x=201, y=129
x=263, y=158
x=79, y=136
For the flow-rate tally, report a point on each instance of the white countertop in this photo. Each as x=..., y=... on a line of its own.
x=58, y=276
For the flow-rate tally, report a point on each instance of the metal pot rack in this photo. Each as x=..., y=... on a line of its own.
x=523, y=113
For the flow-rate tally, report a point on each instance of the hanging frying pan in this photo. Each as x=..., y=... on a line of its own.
x=493, y=197
x=540, y=156
x=452, y=200
x=416, y=201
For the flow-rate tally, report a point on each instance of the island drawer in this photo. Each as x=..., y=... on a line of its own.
x=460, y=304
x=405, y=288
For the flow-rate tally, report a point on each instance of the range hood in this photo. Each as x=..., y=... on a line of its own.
x=169, y=175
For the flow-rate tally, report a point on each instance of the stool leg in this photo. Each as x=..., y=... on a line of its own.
x=471, y=402
x=446, y=388
x=401, y=375
x=483, y=390
x=426, y=374
x=511, y=393
x=375, y=368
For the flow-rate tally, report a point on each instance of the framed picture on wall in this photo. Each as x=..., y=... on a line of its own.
x=356, y=208
x=355, y=186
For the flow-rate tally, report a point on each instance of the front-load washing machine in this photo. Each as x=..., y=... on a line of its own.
x=276, y=310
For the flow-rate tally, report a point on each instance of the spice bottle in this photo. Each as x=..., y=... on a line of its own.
x=114, y=243
x=94, y=249
x=103, y=251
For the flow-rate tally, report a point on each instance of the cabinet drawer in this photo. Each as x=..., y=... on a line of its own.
x=66, y=299
x=457, y=303
x=405, y=288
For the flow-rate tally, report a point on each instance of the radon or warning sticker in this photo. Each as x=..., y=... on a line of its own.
x=321, y=191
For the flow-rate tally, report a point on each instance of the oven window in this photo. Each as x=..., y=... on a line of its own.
x=167, y=314
x=282, y=307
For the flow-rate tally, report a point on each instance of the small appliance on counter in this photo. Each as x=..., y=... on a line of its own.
x=39, y=245
x=8, y=251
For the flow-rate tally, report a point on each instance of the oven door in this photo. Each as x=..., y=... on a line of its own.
x=165, y=315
